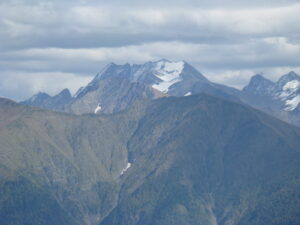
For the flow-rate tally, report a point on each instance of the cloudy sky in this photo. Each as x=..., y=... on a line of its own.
x=47, y=45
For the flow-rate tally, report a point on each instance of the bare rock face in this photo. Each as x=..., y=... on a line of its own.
x=110, y=100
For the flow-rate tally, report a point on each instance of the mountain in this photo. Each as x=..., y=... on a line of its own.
x=37, y=99
x=178, y=160
x=259, y=85
x=282, y=98
x=286, y=90
x=45, y=101
x=118, y=86
x=57, y=168
x=112, y=89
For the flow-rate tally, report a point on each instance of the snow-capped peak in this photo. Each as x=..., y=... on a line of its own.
x=290, y=93
x=287, y=78
x=169, y=74
x=286, y=89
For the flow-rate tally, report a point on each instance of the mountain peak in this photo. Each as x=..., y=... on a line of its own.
x=259, y=85
x=288, y=77
x=168, y=73
x=293, y=73
x=117, y=86
x=46, y=101
x=64, y=96
x=65, y=92
x=40, y=96
x=104, y=69
x=42, y=93
x=258, y=77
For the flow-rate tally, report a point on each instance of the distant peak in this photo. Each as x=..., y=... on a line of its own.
x=288, y=77
x=105, y=68
x=259, y=85
x=40, y=96
x=110, y=64
x=65, y=92
x=292, y=74
x=258, y=76
x=40, y=93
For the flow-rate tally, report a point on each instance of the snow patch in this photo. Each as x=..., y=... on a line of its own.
x=168, y=73
x=293, y=103
x=289, y=89
x=289, y=95
x=284, y=95
x=291, y=86
x=126, y=168
x=188, y=94
x=98, y=109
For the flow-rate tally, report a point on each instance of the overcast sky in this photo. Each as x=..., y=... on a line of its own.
x=49, y=45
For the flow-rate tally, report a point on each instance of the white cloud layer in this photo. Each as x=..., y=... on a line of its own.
x=42, y=42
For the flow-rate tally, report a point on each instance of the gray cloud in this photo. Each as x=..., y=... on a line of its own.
x=46, y=40
x=106, y=26
x=18, y=84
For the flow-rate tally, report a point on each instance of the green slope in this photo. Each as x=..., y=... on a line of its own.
x=194, y=160
x=202, y=160
x=70, y=163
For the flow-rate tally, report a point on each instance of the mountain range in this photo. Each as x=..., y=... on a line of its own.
x=286, y=90
x=117, y=87
x=153, y=144
x=280, y=99
x=194, y=160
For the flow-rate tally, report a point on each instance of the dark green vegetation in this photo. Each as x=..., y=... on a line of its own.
x=195, y=160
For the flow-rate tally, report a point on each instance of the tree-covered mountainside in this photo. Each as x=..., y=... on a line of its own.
x=178, y=160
